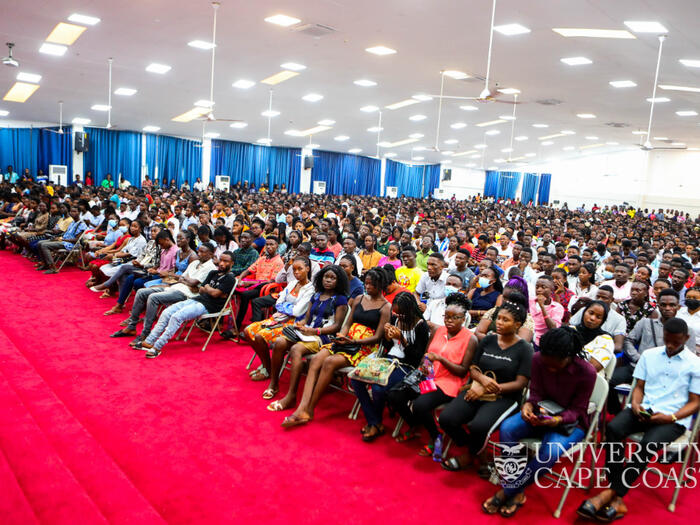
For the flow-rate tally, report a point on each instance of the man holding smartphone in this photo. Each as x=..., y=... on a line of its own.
x=665, y=397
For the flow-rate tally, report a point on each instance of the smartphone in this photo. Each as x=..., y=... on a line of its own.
x=544, y=417
x=646, y=414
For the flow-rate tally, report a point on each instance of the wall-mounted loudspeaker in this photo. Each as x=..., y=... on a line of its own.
x=308, y=162
x=82, y=143
x=447, y=174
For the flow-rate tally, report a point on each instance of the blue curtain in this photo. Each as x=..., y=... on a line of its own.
x=256, y=164
x=412, y=181
x=115, y=152
x=508, y=182
x=545, y=183
x=347, y=174
x=178, y=159
x=529, y=191
x=55, y=148
x=491, y=184
x=19, y=148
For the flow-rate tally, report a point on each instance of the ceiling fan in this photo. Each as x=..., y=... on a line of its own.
x=209, y=116
x=647, y=145
x=58, y=131
x=109, y=124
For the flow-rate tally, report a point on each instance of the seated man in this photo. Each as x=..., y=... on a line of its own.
x=211, y=298
x=66, y=241
x=431, y=285
x=409, y=274
x=667, y=394
x=245, y=255
x=152, y=298
x=321, y=254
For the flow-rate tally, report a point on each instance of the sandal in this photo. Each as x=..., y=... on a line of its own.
x=260, y=375
x=152, y=353
x=368, y=438
x=452, y=464
x=493, y=504
x=407, y=436
x=251, y=372
x=276, y=406
x=514, y=505
x=426, y=451
x=294, y=421
x=270, y=393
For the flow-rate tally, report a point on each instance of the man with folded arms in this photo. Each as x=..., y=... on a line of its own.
x=151, y=299
x=667, y=394
x=66, y=241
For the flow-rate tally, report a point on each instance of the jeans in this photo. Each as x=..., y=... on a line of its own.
x=422, y=411
x=150, y=299
x=622, y=374
x=552, y=448
x=132, y=281
x=373, y=406
x=172, y=319
x=122, y=271
x=481, y=417
x=623, y=474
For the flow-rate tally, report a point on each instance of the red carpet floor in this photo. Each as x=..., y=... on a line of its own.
x=91, y=432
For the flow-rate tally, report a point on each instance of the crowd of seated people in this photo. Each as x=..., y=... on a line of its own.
x=479, y=311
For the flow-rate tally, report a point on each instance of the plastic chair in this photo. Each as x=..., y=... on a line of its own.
x=226, y=310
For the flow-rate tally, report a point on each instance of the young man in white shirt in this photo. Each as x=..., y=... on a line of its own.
x=620, y=283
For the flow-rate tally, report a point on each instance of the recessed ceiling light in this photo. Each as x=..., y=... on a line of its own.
x=326, y=122
x=278, y=78
x=380, y=50
x=264, y=141
x=646, y=27
x=660, y=138
x=422, y=98
x=576, y=61
x=312, y=146
x=292, y=132
x=540, y=125
x=457, y=75
x=419, y=148
x=507, y=117
x=418, y=158
x=509, y=91
x=355, y=150
x=375, y=129
x=363, y=82
x=531, y=154
x=416, y=135
x=521, y=138
x=639, y=132
x=282, y=20
x=293, y=66
x=572, y=32
x=511, y=29
x=65, y=34
x=499, y=160
x=270, y=113
x=448, y=153
x=81, y=121
x=161, y=69
x=480, y=146
x=612, y=143
x=83, y=19
x=507, y=150
x=417, y=118
x=458, y=125
x=568, y=132
x=125, y=92
x=390, y=155
x=659, y=100
x=101, y=107
x=341, y=138
x=489, y=123
x=568, y=148
x=151, y=129
x=369, y=109
x=401, y=142
x=475, y=156
x=239, y=125
x=243, y=84
x=4, y=112
x=677, y=143
x=402, y=103
x=470, y=165
x=312, y=97
x=204, y=103
x=53, y=49
x=585, y=115
x=547, y=143
x=451, y=141
x=469, y=108
x=687, y=62
x=28, y=77
x=212, y=135
x=591, y=137
x=670, y=87
x=493, y=132
x=20, y=92
x=201, y=44
x=687, y=113
x=447, y=162
x=623, y=84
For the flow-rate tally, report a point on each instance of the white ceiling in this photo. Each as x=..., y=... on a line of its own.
x=429, y=36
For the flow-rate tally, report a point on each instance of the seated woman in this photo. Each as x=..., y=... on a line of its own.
x=515, y=291
x=224, y=241
x=131, y=248
x=355, y=286
x=451, y=351
x=324, y=318
x=359, y=337
x=391, y=257
x=598, y=345
x=561, y=375
x=101, y=256
x=501, y=366
x=405, y=340
x=369, y=256
x=393, y=288
x=585, y=287
x=485, y=296
x=291, y=306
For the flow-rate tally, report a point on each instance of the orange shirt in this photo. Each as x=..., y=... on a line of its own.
x=266, y=268
x=453, y=350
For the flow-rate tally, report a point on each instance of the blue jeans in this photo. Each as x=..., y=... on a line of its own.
x=373, y=407
x=554, y=444
x=171, y=319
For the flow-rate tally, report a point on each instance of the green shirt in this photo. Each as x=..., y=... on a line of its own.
x=383, y=248
x=107, y=184
x=242, y=259
x=422, y=259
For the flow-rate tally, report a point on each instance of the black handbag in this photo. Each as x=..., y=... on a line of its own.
x=410, y=383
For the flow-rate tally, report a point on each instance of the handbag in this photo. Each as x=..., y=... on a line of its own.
x=290, y=334
x=486, y=396
x=410, y=383
x=374, y=370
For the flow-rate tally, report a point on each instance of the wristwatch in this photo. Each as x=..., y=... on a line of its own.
x=674, y=418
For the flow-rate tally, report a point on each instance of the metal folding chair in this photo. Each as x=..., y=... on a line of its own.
x=68, y=253
x=226, y=310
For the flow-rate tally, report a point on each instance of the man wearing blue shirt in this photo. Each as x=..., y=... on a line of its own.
x=67, y=241
x=665, y=398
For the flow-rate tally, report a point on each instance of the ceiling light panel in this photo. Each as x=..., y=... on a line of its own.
x=204, y=103
x=509, y=91
x=270, y=113
x=402, y=103
x=243, y=84
x=81, y=121
x=457, y=75
x=576, y=61
x=4, y=112
x=151, y=129
x=278, y=78
x=458, y=125
x=687, y=62
x=313, y=131
x=212, y=135
x=20, y=92
x=687, y=113
x=326, y=122
x=65, y=34
x=585, y=115
x=468, y=108
x=381, y=50
x=493, y=132
x=520, y=138
x=293, y=66
x=646, y=27
x=417, y=118
x=239, y=125
x=29, y=77
x=416, y=135
x=363, y=82
x=658, y=100
x=355, y=151
x=622, y=83
x=490, y=123
x=282, y=20
x=375, y=129
x=53, y=49
x=201, y=44
x=341, y=138
x=572, y=32
x=160, y=69
x=671, y=87
x=312, y=97
x=511, y=29
x=422, y=98
x=369, y=109
x=100, y=107
x=451, y=141
x=125, y=92
x=83, y=19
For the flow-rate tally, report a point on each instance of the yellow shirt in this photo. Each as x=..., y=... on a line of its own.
x=408, y=277
x=370, y=260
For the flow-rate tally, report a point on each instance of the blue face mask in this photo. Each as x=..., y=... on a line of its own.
x=112, y=223
x=123, y=229
x=484, y=282
x=449, y=290
x=607, y=275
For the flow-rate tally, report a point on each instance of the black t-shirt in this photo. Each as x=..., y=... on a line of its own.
x=220, y=281
x=507, y=364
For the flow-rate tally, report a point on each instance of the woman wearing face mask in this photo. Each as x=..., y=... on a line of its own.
x=485, y=296
x=435, y=310
x=94, y=260
x=690, y=313
x=598, y=345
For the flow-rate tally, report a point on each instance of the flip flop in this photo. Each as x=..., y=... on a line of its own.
x=294, y=421
x=452, y=464
x=587, y=510
x=407, y=436
x=96, y=289
x=270, y=393
x=510, y=502
x=496, y=503
x=369, y=438
x=426, y=451
x=276, y=406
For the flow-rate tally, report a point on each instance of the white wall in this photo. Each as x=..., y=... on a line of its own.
x=673, y=181
x=465, y=182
